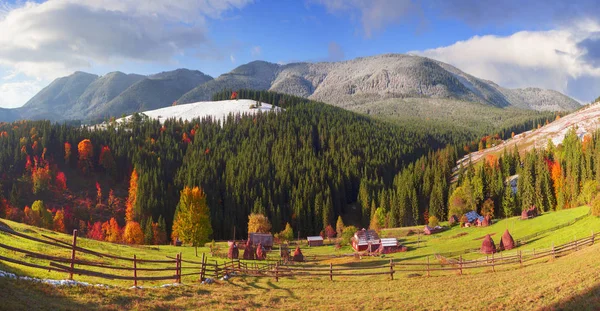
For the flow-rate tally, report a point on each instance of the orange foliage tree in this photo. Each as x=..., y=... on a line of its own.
x=557, y=177
x=112, y=231
x=86, y=152
x=130, y=212
x=132, y=234
x=61, y=181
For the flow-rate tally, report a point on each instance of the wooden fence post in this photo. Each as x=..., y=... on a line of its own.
x=179, y=267
x=460, y=264
x=176, y=268
x=553, y=251
x=521, y=258
x=276, y=276
x=73, y=254
x=392, y=269
x=493, y=263
x=216, y=270
x=202, y=268
x=134, y=271
x=331, y=271
x=428, y=274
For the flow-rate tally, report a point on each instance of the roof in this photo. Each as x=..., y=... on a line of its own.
x=389, y=242
x=366, y=236
x=472, y=216
x=315, y=238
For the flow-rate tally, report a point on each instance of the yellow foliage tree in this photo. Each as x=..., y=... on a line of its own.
x=192, y=218
x=59, y=221
x=112, y=231
x=132, y=234
x=130, y=213
x=258, y=223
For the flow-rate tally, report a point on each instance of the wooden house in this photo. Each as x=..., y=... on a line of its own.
x=265, y=239
x=315, y=240
x=364, y=240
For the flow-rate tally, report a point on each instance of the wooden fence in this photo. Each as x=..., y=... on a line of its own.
x=172, y=268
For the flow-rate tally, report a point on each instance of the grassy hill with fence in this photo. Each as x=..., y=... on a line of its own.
x=549, y=269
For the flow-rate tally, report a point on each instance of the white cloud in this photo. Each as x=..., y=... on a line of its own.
x=15, y=94
x=232, y=58
x=374, y=15
x=551, y=59
x=56, y=37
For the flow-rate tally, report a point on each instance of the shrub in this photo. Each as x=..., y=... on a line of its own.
x=433, y=221
x=596, y=205
x=347, y=234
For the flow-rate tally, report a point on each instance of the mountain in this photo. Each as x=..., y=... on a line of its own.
x=58, y=97
x=376, y=85
x=155, y=91
x=101, y=91
x=9, y=115
x=363, y=80
x=257, y=75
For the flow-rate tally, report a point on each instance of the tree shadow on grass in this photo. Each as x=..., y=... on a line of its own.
x=589, y=300
x=26, y=295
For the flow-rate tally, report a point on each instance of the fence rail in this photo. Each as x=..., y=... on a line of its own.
x=210, y=268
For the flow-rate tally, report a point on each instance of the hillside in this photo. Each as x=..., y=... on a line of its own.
x=54, y=100
x=156, y=91
x=218, y=110
x=561, y=283
x=101, y=91
x=585, y=121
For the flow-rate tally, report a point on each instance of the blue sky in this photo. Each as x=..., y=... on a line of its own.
x=550, y=44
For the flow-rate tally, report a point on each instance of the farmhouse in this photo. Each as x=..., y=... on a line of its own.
x=474, y=219
x=431, y=230
x=529, y=213
x=315, y=240
x=390, y=245
x=365, y=240
x=265, y=239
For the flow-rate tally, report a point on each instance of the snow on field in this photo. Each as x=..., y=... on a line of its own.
x=217, y=109
x=585, y=121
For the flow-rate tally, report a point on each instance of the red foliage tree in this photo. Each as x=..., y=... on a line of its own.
x=95, y=231
x=234, y=95
x=61, y=181
x=329, y=232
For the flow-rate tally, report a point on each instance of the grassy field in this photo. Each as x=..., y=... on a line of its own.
x=568, y=282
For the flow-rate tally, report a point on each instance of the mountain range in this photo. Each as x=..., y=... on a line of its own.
x=360, y=84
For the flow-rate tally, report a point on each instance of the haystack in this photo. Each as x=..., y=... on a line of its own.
x=249, y=251
x=488, y=246
x=507, y=242
x=234, y=252
x=260, y=252
x=298, y=255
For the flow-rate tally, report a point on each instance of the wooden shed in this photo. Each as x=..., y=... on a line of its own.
x=389, y=245
x=264, y=239
x=315, y=240
x=362, y=239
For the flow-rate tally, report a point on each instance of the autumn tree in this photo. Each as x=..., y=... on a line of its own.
x=41, y=179
x=596, y=205
x=329, y=232
x=132, y=234
x=95, y=231
x=59, y=221
x=39, y=211
x=258, y=223
x=86, y=152
x=287, y=234
x=112, y=231
x=131, y=213
x=461, y=202
x=339, y=226
x=107, y=161
x=433, y=221
x=192, y=218
x=488, y=208
x=61, y=181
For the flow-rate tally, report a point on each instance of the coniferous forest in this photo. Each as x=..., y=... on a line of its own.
x=305, y=165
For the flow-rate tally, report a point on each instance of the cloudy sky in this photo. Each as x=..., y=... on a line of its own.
x=543, y=43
